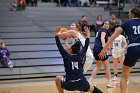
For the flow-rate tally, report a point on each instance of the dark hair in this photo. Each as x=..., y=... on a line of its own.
x=104, y=22
x=79, y=29
x=84, y=16
x=135, y=11
x=76, y=47
x=99, y=16
x=113, y=14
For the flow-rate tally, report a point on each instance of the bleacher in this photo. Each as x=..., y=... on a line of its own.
x=29, y=36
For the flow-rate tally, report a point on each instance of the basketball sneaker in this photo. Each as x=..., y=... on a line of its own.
x=115, y=78
x=109, y=84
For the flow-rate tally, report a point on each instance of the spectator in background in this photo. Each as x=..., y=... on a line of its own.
x=34, y=3
x=78, y=3
x=99, y=23
x=27, y=2
x=58, y=4
x=18, y=5
x=85, y=3
x=93, y=2
x=84, y=23
x=21, y=4
x=113, y=22
x=5, y=56
x=69, y=3
x=64, y=3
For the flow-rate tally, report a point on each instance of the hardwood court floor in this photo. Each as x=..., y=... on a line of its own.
x=48, y=86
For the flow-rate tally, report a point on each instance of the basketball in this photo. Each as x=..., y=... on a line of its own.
x=63, y=36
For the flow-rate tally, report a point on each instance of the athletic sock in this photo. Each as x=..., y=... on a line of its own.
x=116, y=75
x=91, y=78
x=109, y=80
x=96, y=90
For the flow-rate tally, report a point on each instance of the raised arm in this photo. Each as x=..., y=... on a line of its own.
x=69, y=33
x=87, y=34
x=60, y=47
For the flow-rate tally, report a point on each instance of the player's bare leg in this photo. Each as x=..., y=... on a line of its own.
x=58, y=84
x=123, y=82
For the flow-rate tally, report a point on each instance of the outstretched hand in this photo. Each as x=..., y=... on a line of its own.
x=57, y=30
x=102, y=54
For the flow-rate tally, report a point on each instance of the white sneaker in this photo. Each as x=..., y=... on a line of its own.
x=10, y=65
x=109, y=84
x=115, y=78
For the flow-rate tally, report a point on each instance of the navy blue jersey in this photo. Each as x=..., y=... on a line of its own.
x=98, y=42
x=132, y=29
x=73, y=63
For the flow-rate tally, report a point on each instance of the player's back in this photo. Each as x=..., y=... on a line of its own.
x=132, y=29
x=74, y=67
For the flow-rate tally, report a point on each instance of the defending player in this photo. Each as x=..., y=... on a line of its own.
x=73, y=64
x=132, y=30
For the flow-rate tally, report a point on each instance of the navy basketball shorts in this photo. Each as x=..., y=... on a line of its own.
x=72, y=85
x=132, y=55
x=96, y=51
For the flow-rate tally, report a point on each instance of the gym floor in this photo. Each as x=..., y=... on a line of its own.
x=43, y=85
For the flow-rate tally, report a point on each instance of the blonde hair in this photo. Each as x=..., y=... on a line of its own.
x=1, y=41
x=79, y=29
x=78, y=26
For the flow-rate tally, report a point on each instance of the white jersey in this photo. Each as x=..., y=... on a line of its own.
x=89, y=55
x=117, y=46
x=117, y=43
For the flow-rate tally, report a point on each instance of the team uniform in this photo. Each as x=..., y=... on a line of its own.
x=117, y=46
x=132, y=29
x=89, y=55
x=73, y=64
x=98, y=44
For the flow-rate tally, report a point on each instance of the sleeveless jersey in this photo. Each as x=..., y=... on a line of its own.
x=117, y=43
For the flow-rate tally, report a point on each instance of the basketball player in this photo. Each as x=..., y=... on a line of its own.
x=132, y=30
x=100, y=41
x=76, y=34
x=73, y=64
x=118, y=49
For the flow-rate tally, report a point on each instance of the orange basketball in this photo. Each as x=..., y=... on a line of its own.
x=64, y=36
